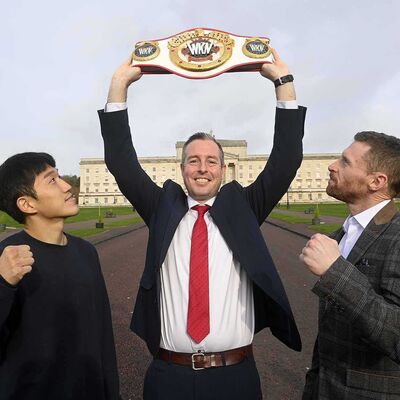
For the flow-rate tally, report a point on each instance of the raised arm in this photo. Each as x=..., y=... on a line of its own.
x=287, y=152
x=119, y=153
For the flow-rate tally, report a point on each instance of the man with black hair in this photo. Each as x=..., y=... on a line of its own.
x=56, y=339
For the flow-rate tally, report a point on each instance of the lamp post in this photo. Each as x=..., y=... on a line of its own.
x=100, y=223
x=287, y=199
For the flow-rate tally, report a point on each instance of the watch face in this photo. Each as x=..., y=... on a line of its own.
x=283, y=79
x=287, y=78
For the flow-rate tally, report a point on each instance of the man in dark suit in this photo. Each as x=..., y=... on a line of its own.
x=357, y=351
x=209, y=283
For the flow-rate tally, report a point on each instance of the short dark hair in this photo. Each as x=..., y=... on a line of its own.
x=384, y=156
x=202, y=136
x=17, y=178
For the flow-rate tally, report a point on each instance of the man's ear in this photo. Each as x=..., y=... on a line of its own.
x=379, y=181
x=26, y=205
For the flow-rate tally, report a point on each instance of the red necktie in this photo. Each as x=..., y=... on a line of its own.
x=198, y=325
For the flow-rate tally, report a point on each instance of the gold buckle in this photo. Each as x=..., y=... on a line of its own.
x=199, y=353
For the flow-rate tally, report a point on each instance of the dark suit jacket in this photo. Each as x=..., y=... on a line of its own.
x=238, y=212
x=357, y=352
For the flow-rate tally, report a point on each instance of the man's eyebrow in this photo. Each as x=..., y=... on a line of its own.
x=345, y=158
x=51, y=172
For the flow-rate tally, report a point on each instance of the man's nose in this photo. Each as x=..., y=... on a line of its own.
x=65, y=185
x=332, y=166
x=203, y=166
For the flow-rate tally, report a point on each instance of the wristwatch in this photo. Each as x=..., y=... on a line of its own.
x=283, y=79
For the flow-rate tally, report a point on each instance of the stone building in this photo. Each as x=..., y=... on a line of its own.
x=98, y=186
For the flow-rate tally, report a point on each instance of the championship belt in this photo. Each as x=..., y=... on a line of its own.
x=202, y=53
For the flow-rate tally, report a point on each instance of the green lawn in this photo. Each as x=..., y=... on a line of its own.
x=85, y=214
x=6, y=219
x=325, y=228
x=92, y=213
x=332, y=209
x=107, y=226
x=293, y=219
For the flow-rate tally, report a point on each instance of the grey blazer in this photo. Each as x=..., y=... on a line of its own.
x=357, y=351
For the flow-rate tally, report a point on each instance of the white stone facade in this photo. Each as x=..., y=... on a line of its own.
x=98, y=186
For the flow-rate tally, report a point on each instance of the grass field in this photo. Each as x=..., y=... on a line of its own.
x=85, y=214
x=107, y=226
x=331, y=209
x=293, y=219
x=92, y=213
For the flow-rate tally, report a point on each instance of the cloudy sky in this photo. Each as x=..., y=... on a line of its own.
x=57, y=58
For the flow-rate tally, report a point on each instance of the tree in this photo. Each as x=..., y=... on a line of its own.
x=74, y=181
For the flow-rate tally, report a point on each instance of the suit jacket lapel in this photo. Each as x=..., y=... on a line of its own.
x=373, y=230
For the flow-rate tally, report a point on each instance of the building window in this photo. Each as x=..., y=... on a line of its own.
x=319, y=196
x=154, y=177
x=87, y=170
x=105, y=170
x=106, y=190
x=96, y=200
x=250, y=176
x=300, y=196
x=87, y=190
x=250, y=167
x=106, y=200
x=154, y=169
x=240, y=175
x=240, y=166
x=309, y=196
x=87, y=179
x=97, y=190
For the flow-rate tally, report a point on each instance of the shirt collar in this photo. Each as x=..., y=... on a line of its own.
x=192, y=202
x=365, y=217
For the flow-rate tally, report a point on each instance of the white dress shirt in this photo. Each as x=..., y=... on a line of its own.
x=230, y=291
x=355, y=225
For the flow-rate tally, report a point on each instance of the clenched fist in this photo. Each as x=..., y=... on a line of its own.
x=15, y=262
x=320, y=253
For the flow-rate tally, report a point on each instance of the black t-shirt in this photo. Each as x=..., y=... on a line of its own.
x=56, y=339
